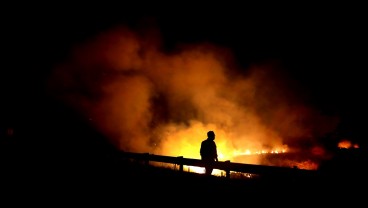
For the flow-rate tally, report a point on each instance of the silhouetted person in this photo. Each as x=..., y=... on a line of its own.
x=209, y=152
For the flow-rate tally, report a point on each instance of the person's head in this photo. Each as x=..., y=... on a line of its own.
x=211, y=135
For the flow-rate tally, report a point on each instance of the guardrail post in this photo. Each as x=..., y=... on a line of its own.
x=146, y=159
x=227, y=162
x=180, y=162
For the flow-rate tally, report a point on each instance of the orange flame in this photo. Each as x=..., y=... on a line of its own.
x=186, y=142
x=346, y=144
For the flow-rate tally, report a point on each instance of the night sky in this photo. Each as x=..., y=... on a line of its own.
x=323, y=49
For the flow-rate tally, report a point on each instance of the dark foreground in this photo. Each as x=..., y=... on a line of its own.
x=118, y=182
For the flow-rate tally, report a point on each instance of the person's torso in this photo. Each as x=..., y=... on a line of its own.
x=208, y=148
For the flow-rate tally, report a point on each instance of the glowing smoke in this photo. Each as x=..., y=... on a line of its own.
x=147, y=100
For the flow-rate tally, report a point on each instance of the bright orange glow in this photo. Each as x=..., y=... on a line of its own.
x=147, y=100
x=344, y=144
x=186, y=143
x=307, y=165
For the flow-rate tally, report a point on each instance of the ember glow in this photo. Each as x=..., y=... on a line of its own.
x=347, y=144
x=145, y=99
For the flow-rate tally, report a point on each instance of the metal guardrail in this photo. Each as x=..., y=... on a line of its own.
x=226, y=166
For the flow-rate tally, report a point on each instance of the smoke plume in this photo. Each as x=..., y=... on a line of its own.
x=146, y=99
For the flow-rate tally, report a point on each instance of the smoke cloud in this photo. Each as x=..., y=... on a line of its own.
x=146, y=99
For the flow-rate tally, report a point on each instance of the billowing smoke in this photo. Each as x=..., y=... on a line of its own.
x=145, y=99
